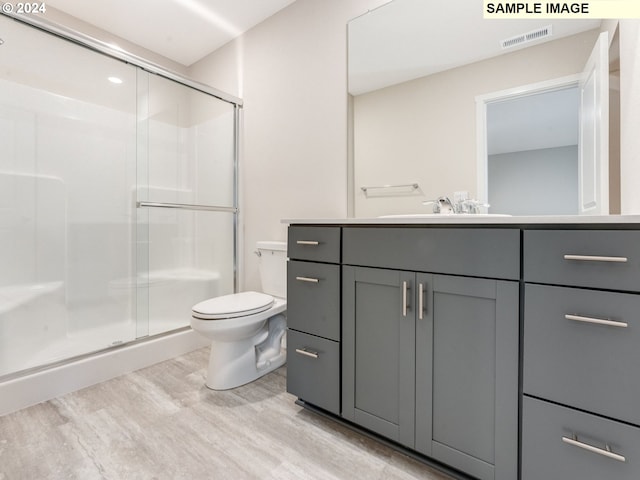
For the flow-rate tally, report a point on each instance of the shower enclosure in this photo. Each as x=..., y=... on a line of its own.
x=118, y=198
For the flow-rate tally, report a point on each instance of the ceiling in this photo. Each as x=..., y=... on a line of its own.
x=184, y=31
x=402, y=40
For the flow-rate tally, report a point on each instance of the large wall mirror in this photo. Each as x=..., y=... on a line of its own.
x=522, y=115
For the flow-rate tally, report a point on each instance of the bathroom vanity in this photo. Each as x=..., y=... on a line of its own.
x=501, y=347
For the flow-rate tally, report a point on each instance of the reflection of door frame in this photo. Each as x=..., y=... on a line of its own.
x=482, y=101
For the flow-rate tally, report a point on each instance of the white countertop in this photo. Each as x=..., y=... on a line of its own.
x=474, y=220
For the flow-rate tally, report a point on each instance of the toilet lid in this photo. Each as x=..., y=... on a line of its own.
x=234, y=305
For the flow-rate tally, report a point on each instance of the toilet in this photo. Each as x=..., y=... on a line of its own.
x=246, y=329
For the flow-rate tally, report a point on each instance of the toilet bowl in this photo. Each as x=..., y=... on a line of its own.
x=246, y=329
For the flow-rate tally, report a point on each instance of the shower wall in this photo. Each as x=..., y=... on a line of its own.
x=117, y=200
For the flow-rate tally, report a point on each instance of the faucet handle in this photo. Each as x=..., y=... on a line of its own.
x=441, y=205
x=445, y=205
x=471, y=206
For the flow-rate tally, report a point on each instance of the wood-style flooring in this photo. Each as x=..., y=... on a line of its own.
x=163, y=423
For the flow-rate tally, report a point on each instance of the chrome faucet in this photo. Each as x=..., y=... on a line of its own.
x=445, y=206
x=441, y=205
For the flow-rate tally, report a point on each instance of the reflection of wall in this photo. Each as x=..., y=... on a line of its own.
x=630, y=115
x=426, y=132
x=515, y=179
x=614, y=119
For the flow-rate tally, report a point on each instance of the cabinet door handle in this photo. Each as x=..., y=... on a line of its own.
x=307, y=353
x=420, y=301
x=596, y=258
x=308, y=279
x=606, y=452
x=405, y=307
x=307, y=242
x=597, y=321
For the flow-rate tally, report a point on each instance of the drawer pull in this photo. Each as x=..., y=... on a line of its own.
x=600, y=451
x=597, y=321
x=307, y=279
x=307, y=353
x=595, y=258
x=405, y=287
x=307, y=242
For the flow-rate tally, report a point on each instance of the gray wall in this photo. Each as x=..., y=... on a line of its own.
x=540, y=182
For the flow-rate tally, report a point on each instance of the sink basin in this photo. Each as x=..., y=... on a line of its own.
x=445, y=215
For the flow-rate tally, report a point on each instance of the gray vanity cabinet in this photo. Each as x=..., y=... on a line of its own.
x=313, y=316
x=429, y=352
x=580, y=355
x=430, y=360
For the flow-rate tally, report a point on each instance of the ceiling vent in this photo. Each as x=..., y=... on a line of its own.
x=527, y=37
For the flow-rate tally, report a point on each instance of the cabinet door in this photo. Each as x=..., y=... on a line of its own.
x=378, y=351
x=475, y=377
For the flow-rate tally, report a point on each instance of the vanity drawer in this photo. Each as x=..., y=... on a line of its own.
x=548, y=451
x=585, y=258
x=313, y=298
x=318, y=244
x=587, y=365
x=313, y=370
x=476, y=252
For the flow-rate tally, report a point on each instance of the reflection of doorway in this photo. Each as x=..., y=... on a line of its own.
x=498, y=115
x=532, y=153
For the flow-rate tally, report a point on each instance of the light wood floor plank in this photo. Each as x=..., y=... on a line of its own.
x=163, y=423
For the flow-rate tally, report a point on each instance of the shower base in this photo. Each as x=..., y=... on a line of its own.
x=51, y=382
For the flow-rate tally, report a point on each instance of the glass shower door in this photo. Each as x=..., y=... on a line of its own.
x=117, y=200
x=67, y=199
x=187, y=199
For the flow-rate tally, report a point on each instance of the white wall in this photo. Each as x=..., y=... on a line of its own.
x=291, y=71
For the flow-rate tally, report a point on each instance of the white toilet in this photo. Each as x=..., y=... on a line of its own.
x=246, y=329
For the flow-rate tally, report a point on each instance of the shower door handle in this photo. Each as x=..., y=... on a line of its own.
x=187, y=206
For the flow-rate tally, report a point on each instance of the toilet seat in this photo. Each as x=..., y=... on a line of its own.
x=233, y=306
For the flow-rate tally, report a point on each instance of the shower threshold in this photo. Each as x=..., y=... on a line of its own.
x=35, y=385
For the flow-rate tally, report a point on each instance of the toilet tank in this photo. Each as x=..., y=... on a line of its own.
x=273, y=267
